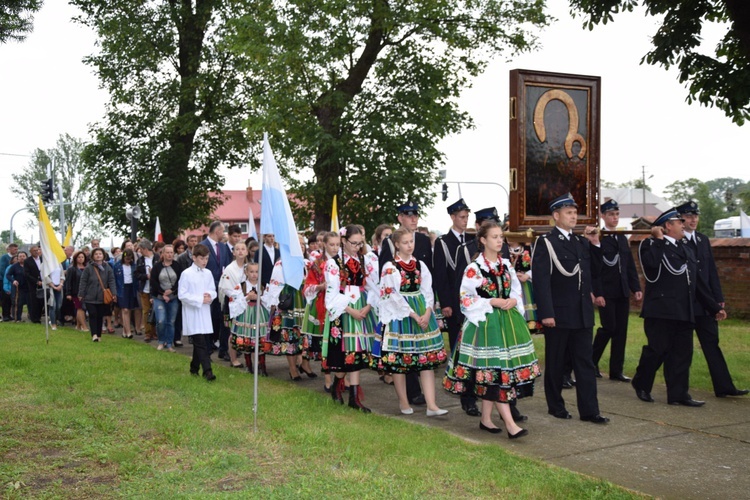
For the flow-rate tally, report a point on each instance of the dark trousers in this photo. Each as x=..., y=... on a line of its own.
x=201, y=353
x=707, y=329
x=614, y=320
x=578, y=343
x=6, y=305
x=178, y=323
x=670, y=342
x=217, y=320
x=454, y=326
x=97, y=313
x=34, y=306
x=18, y=299
x=413, y=389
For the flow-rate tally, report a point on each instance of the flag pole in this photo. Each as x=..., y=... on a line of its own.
x=256, y=333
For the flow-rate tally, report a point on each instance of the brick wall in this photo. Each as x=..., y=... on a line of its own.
x=732, y=257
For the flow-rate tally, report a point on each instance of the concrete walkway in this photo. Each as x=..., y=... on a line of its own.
x=654, y=448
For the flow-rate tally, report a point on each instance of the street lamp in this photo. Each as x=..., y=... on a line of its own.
x=133, y=214
x=643, y=188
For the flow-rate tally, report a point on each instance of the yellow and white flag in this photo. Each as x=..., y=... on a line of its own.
x=334, y=217
x=52, y=251
x=68, y=236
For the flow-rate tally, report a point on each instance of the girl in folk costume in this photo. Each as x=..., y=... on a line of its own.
x=243, y=310
x=315, y=312
x=495, y=350
x=232, y=279
x=351, y=292
x=411, y=339
x=287, y=306
x=520, y=260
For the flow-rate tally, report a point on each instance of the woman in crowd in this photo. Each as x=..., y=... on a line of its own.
x=72, y=281
x=233, y=279
x=19, y=290
x=127, y=291
x=97, y=276
x=243, y=310
x=315, y=311
x=411, y=338
x=287, y=306
x=164, y=282
x=382, y=232
x=8, y=288
x=351, y=292
x=179, y=247
x=495, y=350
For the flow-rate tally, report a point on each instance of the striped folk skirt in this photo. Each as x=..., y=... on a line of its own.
x=497, y=356
x=347, y=342
x=243, y=329
x=402, y=346
x=312, y=330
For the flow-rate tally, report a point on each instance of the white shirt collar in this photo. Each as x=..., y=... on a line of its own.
x=565, y=232
x=457, y=234
x=690, y=235
x=670, y=239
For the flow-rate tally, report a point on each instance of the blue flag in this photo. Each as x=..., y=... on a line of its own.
x=276, y=218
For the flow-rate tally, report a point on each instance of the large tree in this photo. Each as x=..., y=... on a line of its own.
x=67, y=172
x=177, y=103
x=717, y=198
x=17, y=19
x=721, y=79
x=358, y=94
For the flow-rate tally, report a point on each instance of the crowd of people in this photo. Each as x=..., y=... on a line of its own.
x=384, y=305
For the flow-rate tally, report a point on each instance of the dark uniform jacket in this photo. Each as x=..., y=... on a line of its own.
x=444, y=277
x=566, y=299
x=618, y=275
x=707, y=271
x=672, y=285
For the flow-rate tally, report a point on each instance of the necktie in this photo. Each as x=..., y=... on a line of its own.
x=461, y=238
x=218, y=255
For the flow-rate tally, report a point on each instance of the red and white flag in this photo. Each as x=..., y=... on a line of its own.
x=158, y=236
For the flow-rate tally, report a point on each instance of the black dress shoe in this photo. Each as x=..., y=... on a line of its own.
x=733, y=392
x=644, y=396
x=596, y=419
x=520, y=418
x=620, y=377
x=419, y=400
x=518, y=434
x=224, y=356
x=568, y=383
x=471, y=409
x=561, y=414
x=688, y=402
x=493, y=430
x=209, y=376
x=599, y=374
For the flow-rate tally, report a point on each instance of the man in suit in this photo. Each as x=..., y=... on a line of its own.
x=706, y=325
x=270, y=255
x=565, y=266
x=12, y=251
x=672, y=287
x=33, y=274
x=444, y=265
x=408, y=217
x=618, y=278
x=218, y=258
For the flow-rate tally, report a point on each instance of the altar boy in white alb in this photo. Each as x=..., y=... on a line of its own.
x=196, y=292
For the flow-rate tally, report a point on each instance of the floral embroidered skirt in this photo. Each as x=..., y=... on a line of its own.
x=346, y=341
x=404, y=347
x=529, y=306
x=497, y=357
x=312, y=330
x=284, y=337
x=243, y=329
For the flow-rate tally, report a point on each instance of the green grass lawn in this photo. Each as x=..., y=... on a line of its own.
x=120, y=419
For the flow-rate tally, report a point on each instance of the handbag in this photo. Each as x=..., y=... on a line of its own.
x=39, y=292
x=151, y=316
x=107, y=294
x=286, y=302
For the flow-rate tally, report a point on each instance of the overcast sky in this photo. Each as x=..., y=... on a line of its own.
x=45, y=91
